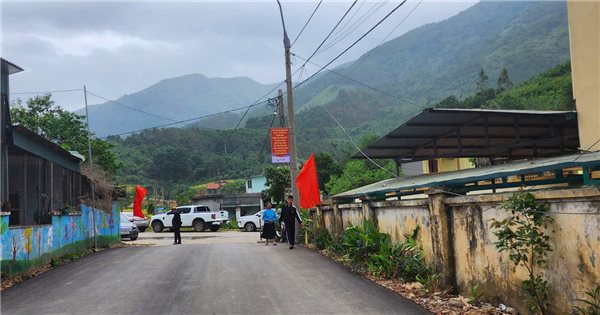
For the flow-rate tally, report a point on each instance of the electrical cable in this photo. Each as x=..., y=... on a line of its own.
x=47, y=92
x=360, y=60
x=129, y=107
x=353, y=44
x=308, y=21
x=355, y=25
x=331, y=32
x=184, y=121
x=358, y=82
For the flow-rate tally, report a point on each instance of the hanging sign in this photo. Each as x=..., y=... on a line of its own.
x=280, y=145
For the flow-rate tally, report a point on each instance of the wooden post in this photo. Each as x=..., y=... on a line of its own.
x=338, y=223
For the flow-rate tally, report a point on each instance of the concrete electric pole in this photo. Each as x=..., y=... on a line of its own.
x=291, y=120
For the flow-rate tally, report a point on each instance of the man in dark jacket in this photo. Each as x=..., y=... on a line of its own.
x=289, y=215
x=176, y=223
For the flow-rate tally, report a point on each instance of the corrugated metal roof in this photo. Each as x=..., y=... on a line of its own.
x=471, y=175
x=27, y=140
x=12, y=68
x=515, y=134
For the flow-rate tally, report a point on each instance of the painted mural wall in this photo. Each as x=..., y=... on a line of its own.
x=27, y=247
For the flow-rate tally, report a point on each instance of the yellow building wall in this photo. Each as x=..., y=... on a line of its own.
x=449, y=165
x=584, y=34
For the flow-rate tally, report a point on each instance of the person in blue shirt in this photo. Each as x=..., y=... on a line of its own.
x=269, y=217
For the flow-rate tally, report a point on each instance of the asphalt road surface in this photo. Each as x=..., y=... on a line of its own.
x=211, y=273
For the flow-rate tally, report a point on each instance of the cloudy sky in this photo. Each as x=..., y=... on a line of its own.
x=118, y=48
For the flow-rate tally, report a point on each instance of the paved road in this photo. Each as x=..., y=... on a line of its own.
x=211, y=273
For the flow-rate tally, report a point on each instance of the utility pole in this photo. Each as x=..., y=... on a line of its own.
x=291, y=120
x=87, y=119
x=280, y=111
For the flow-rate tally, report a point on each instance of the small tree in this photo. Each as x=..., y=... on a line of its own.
x=278, y=180
x=522, y=235
x=504, y=82
x=482, y=83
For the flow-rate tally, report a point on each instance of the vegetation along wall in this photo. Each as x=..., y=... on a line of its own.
x=457, y=239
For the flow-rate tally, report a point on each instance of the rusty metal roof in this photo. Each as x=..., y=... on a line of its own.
x=448, y=133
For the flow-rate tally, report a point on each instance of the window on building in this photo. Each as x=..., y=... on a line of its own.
x=249, y=184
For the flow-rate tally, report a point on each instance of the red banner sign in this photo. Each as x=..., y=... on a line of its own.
x=280, y=145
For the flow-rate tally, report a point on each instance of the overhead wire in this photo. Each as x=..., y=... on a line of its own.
x=184, y=121
x=162, y=117
x=331, y=32
x=307, y=21
x=353, y=44
x=362, y=20
x=360, y=60
x=357, y=81
x=46, y=92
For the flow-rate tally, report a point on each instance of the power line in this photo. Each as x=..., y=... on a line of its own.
x=353, y=44
x=359, y=61
x=129, y=107
x=359, y=82
x=47, y=92
x=376, y=7
x=185, y=120
x=331, y=32
x=308, y=21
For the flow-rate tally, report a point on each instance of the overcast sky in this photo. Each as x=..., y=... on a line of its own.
x=118, y=48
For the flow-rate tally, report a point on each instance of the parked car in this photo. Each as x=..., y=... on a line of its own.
x=128, y=229
x=197, y=216
x=250, y=223
x=141, y=223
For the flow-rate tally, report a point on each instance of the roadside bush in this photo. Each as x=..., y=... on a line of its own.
x=232, y=224
x=404, y=260
x=324, y=240
x=359, y=242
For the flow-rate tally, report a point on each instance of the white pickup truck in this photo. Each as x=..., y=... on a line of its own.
x=197, y=216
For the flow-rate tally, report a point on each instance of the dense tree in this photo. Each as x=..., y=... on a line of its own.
x=64, y=128
x=356, y=173
x=278, y=181
x=326, y=168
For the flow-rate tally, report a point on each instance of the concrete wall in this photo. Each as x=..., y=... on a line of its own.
x=457, y=240
x=584, y=35
x=27, y=247
x=449, y=165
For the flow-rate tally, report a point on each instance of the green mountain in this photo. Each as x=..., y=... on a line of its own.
x=176, y=99
x=434, y=61
x=434, y=64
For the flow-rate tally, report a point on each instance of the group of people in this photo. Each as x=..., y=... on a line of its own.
x=288, y=218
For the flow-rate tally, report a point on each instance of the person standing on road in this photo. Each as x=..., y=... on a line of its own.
x=289, y=215
x=176, y=223
x=269, y=216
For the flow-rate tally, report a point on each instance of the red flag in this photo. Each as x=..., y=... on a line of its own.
x=308, y=184
x=140, y=193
